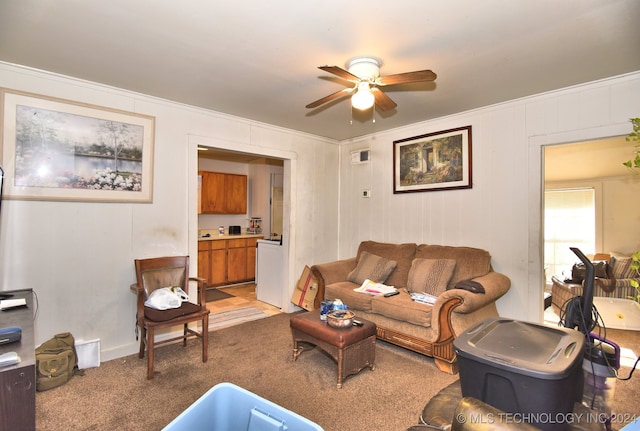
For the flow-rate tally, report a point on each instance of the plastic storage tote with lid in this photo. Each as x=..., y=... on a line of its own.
x=523, y=368
x=227, y=407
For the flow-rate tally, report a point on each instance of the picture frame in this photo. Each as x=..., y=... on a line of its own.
x=433, y=161
x=60, y=150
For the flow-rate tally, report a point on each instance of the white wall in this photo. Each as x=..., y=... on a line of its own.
x=502, y=212
x=260, y=193
x=78, y=257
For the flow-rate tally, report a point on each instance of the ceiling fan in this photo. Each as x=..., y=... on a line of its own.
x=364, y=73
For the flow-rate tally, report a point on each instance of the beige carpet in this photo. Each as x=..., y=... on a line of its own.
x=257, y=356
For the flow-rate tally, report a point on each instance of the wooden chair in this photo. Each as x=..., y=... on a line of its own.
x=156, y=273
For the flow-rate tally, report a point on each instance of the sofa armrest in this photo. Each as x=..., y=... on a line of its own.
x=332, y=272
x=565, y=290
x=495, y=285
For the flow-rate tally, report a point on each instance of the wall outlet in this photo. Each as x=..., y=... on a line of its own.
x=366, y=193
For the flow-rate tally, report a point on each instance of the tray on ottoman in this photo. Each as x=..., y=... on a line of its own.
x=352, y=348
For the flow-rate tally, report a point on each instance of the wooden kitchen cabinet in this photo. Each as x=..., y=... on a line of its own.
x=252, y=250
x=236, y=194
x=204, y=260
x=227, y=261
x=222, y=193
x=236, y=260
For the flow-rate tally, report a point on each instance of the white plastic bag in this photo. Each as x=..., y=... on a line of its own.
x=166, y=297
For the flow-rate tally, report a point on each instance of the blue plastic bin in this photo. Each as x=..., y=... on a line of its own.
x=227, y=407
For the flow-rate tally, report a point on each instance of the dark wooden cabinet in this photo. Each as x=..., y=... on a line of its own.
x=18, y=382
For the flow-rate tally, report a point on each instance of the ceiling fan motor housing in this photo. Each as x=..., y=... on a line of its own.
x=365, y=68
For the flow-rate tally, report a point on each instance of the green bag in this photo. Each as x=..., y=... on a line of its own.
x=56, y=360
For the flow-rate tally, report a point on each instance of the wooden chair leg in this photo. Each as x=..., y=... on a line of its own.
x=185, y=331
x=205, y=338
x=150, y=338
x=143, y=340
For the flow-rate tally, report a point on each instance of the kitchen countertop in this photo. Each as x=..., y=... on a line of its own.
x=217, y=237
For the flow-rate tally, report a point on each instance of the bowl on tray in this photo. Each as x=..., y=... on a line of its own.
x=340, y=318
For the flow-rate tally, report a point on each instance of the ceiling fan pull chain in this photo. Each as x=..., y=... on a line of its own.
x=374, y=113
x=351, y=111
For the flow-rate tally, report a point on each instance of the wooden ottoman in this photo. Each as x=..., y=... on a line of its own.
x=352, y=348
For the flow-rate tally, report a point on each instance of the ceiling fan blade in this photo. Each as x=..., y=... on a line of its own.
x=330, y=97
x=405, y=78
x=340, y=72
x=383, y=101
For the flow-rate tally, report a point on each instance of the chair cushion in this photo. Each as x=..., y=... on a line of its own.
x=372, y=267
x=172, y=313
x=430, y=275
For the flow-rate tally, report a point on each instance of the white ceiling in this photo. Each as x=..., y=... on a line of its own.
x=587, y=160
x=259, y=59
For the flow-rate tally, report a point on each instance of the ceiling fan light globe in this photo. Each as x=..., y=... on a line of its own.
x=362, y=100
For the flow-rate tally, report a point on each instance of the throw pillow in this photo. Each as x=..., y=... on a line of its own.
x=621, y=268
x=372, y=267
x=430, y=275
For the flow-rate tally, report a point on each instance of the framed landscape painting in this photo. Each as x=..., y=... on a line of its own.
x=55, y=149
x=435, y=161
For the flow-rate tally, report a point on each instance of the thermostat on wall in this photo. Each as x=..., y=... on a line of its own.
x=360, y=156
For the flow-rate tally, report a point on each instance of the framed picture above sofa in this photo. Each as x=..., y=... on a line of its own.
x=434, y=161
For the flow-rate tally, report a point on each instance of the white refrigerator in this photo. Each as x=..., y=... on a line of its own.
x=269, y=272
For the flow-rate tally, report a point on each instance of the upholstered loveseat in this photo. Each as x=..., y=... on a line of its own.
x=461, y=278
x=613, y=273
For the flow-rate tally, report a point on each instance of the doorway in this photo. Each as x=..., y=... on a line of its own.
x=581, y=194
x=263, y=158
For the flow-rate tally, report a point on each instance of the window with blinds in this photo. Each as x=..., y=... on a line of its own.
x=569, y=221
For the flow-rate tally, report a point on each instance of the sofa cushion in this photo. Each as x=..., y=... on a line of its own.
x=343, y=290
x=401, y=307
x=470, y=262
x=372, y=267
x=401, y=253
x=430, y=275
x=621, y=267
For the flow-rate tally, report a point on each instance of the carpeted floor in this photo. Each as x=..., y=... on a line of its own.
x=257, y=356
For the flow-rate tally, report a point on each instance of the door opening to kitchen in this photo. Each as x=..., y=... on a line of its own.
x=254, y=236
